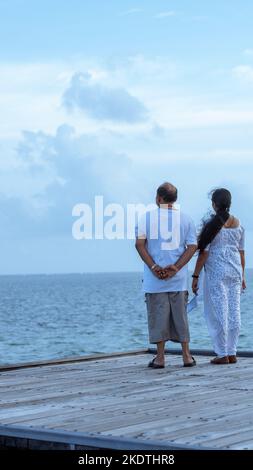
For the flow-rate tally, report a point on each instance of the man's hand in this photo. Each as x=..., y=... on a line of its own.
x=158, y=271
x=169, y=271
x=244, y=286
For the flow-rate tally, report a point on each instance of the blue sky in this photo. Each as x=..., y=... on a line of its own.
x=112, y=98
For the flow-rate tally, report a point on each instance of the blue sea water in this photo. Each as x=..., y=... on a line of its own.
x=53, y=316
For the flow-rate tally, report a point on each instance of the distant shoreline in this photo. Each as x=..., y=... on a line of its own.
x=80, y=274
x=72, y=274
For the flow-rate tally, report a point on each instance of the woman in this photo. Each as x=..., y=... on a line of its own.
x=221, y=252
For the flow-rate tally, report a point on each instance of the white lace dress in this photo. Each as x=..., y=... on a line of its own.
x=222, y=289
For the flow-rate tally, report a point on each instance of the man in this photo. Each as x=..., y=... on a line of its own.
x=165, y=272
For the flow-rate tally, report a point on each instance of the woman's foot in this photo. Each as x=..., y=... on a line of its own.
x=232, y=359
x=220, y=360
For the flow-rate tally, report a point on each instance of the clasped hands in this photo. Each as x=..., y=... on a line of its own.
x=165, y=273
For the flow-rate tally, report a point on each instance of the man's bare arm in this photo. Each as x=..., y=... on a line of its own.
x=186, y=256
x=172, y=270
x=140, y=246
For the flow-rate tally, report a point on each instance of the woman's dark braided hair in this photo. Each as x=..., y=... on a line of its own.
x=222, y=199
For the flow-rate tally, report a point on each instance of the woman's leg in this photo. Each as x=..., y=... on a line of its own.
x=216, y=313
x=234, y=318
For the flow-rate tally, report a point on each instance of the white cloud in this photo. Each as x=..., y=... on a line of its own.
x=172, y=110
x=43, y=77
x=213, y=117
x=101, y=102
x=50, y=173
x=165, y=14
x=30, y=96
x=33, y=100
x=139, y=73
x=248, y=52
x=244, y=73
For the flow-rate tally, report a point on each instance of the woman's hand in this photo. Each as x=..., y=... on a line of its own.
x=244, y=286
x=195, y=284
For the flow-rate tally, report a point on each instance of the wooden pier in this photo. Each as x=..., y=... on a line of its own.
x=116, y=402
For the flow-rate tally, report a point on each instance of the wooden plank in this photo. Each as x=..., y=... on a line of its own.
x=103, y=420
x=73, y=359
x=120, y=396
x=225, y=440
x=199, y=429
x=119, y=426
x=84, y=440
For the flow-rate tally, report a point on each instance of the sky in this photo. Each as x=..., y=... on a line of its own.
x=101, y=97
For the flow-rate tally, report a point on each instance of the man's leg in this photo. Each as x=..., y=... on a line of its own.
x=160, y=353
x=158, y=310
x=179, y=325
x=187, y=357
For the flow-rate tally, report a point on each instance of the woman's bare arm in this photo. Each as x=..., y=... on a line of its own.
x=201, y=261
x=243, y=262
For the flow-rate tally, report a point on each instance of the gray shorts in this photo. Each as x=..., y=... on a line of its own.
x=167, y=317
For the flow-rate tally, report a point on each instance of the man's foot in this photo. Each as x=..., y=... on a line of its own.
x=232, y=359
x=155, y=364
x=220, y=360
x=190, y=363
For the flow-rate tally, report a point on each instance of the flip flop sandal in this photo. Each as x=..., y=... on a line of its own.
x=154, y=365
x=191, y=364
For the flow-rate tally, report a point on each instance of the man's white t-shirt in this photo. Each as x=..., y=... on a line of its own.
x=166, y=246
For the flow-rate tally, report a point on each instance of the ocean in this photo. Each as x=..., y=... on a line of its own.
x=55, y=316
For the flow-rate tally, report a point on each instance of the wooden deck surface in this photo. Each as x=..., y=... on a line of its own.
x=119, y=397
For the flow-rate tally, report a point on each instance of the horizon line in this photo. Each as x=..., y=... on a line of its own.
x=81, y=273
